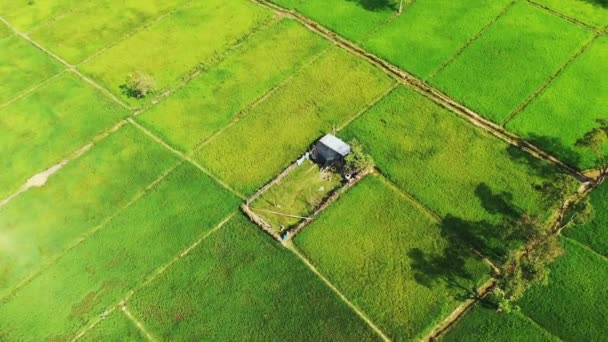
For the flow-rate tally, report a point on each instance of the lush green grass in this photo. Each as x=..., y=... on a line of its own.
x=5, y=31
x=485, y=324
x=48, y=125
x=298, y=194
x=382, y=252
x=170, y=49
x=79, y=34
x=26, y=15
x=573, y=306
x=100, y=271
x=429, y=32
x=241, y=285
x=595, y=233
x=352, y=19
x=511, y=60
x=569, y=108
x=37, y=226
x=22, y=65
x=116, y=327
x=455, y=169
x=592, y=12
x=208, y=103
x=279, y=129
x=290, y=4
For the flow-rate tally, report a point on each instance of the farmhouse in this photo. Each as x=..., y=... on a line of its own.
x=330, y=150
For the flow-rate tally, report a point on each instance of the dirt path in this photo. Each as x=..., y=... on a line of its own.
x=423, y=88
x=137, y=323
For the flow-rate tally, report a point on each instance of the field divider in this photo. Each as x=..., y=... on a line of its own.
x=31, y=89
x=432, y=214
x=40, y=179
x=549, y=81
x=460, y=311
x=69, y=66
x=87, y=235
x=566, y=17
x=586, y=248
x=137, y=323
x=185, y=158
x=428, y=91
x=536, y=324
x=250, y=106
x=134, y=31
x=483, y=30
x=353, y=307
x=152, y=277
x=368, y=106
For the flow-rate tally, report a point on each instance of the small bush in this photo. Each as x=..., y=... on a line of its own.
x=138, y=85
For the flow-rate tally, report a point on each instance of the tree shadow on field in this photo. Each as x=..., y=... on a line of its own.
x=466, y=240
x=551, y=145
x=376, y=5
x=600, y=3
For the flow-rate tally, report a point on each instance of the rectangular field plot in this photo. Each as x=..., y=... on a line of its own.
x=115, y=327
x=172, y=48
x=100, y=271
x=429, y=32
x=42, y=222
x=48, y=125
x=22, y=65
x=70, y=36
x=351, y=19
x=273, y=134
x=591, y=12
x=483, y=324
x=569, y=108
x=573, y=305
x=390, y=258
x=211, y=100
x=296, y=196
x=511, y=60
x=240, y=285
x=458, y=171
x=595, y=233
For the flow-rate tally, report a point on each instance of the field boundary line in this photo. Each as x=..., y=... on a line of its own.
x=471, y=40
x=50, y=171
x=368, y=106
x=151, y=277
x=459, y=312
x=31, y=89
x=549, y=81
x=185, y=158
x=432, y=214
x=86, y=235
x=59, y=16
x=358, y=311
x=429, y=92
x=575, y=21
x=136, y=30
x=214, y=61
x=536, y=324
x=137, y=323
x=586, y=248
x=69, y=66
x=260, y=99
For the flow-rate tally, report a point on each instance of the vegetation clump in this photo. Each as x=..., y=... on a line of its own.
x=138, y=85
x=596, y=140
x=357, y=161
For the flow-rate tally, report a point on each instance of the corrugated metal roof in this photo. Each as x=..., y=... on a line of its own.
x=335, y=144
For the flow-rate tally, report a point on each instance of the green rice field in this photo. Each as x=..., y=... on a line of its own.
x=134, y=136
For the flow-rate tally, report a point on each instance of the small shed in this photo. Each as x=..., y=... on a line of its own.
x=330, y=150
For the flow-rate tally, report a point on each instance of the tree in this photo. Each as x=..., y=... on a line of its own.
x=557, y=192
x=357, y=161
x=138, y=85
x=596, y=140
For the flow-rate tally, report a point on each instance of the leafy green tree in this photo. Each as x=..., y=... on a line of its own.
x=138, y=85
x=596, y=140
x=357, y=161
